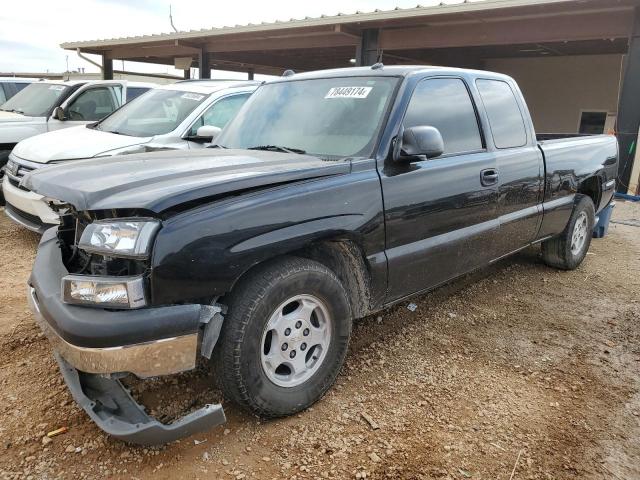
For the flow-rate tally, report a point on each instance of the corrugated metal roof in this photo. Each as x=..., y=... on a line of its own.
x=340, y=18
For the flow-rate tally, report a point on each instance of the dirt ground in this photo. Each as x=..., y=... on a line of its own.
x=519, y=371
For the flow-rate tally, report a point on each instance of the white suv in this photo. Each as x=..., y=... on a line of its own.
x=183, y=115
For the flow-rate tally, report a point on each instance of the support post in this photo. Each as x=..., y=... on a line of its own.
x=250, y=74
x=107, y=68
x=367, y=52
x=629, y=107
x=203, y=64
x=187, y=73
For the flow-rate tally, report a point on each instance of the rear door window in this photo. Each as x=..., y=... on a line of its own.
x=505, y=118
x=444, y=103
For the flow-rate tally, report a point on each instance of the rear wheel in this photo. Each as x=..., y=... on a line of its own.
x=284, y=338
x=567, y=251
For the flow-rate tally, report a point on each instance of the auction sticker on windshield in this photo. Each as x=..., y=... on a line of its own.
x=348, y=92
x=56, y=87
x=192, y=96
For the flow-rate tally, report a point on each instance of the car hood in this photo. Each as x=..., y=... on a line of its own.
x=159, y=181
x=72, y=143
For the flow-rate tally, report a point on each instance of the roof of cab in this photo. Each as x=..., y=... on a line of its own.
x=380, y=70
x=18, y=79
x=92, y=82
x=207, y=86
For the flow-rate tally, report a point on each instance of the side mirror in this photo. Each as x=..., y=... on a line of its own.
x=421, y=140
x=58, y=114
x=207, y=133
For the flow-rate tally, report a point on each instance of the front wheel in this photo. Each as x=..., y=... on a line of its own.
x=285, y=337
x=567, y=251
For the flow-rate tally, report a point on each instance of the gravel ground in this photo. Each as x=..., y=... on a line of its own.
x=519, y=371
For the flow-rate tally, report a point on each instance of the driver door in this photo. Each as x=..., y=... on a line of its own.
x=440, y=215
x=88, y=106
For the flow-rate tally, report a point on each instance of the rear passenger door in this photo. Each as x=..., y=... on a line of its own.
x=519, y=164
x=440, y=215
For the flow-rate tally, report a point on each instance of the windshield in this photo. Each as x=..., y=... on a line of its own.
x=36, y=100
x=328, y=117
x=155, y=112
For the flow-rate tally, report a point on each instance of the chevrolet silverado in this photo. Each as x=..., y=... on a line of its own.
x=330, y=196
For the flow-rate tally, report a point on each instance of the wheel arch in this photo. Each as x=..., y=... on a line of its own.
x=343, y=256
x=592, y=188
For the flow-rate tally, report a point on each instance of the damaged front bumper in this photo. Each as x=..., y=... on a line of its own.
x=92, y=345
x=112, y=408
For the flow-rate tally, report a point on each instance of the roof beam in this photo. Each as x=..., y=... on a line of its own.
x=338, y=39
x=578, y=26
x=151, y=51
x=360, y=20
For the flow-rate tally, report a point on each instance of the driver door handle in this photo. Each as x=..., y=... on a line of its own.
x=489, y=176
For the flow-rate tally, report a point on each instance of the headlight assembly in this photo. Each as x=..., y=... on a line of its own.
x=104, y=292
x=127, y=238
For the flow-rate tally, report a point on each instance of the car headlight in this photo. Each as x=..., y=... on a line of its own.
x=128, y=238
x=104, y=292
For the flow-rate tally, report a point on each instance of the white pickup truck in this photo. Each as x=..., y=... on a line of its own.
x=183, y=115
x=53, y=105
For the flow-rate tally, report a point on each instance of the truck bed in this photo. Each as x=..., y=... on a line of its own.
x=543, y=137
x=570, y=159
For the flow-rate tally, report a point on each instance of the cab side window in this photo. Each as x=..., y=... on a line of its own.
x=505, y=117
x=444, y=103
x=92, y=105
x=219, y=114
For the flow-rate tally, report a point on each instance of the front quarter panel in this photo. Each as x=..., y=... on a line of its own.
x=201, y=253
x=13, y=132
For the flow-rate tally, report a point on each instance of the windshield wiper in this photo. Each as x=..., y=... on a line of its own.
x=277, y=148
x=216, y=146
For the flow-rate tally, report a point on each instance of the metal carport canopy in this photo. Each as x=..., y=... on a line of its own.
x=458, y=34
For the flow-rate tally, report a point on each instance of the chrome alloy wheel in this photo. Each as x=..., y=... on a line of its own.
x=579, y=235
x=295, y=340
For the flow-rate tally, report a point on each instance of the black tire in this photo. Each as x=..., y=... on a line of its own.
x=238, y=363
x=556, y=252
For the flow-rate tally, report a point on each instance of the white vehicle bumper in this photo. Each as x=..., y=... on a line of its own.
x=28, y=208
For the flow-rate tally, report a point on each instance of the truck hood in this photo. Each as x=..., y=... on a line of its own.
x=72, y=144
x=12, y=117
x=161, y=180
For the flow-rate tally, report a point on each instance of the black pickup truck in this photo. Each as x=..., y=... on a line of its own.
x=331, y=195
